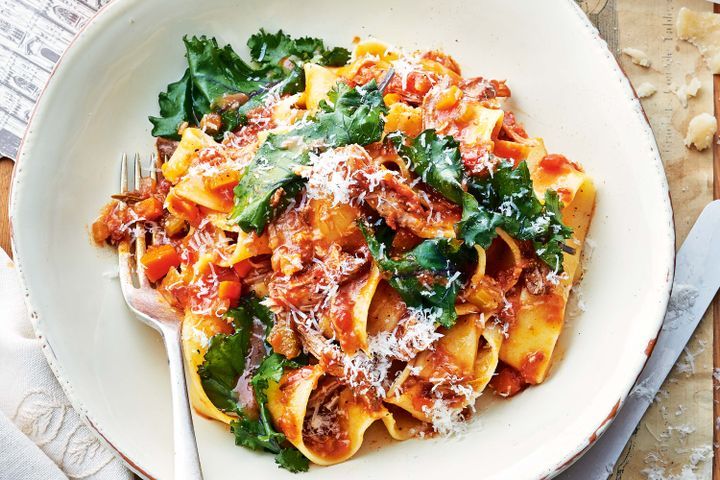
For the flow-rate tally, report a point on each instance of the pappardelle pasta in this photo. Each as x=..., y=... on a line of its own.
x=352, y=237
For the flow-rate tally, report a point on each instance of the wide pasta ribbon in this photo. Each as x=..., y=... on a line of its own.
x=453, y=374
x=320, y=416
x=538, y=319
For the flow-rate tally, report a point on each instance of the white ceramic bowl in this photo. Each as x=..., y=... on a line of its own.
x=567, y=88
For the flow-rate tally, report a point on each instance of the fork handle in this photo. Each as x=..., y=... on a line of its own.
x=186, y=459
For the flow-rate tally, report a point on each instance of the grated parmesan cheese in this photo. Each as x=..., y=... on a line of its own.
x=683, y=430
x=405, y=65
x=682, y=299
x=643, y=391
x=637, y=56
x=702, y=29
x=645, y=90
x=697, y=468
x=700, y=131
x=329, y=175
x=684, y=92
x=446, y=421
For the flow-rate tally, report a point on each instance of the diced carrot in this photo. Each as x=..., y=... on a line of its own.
x=229, y=290
x=226, y=179
x=183, y=208
x=554, y=162
x=158, y=260
x=100, y=230
x=242, y=268
x=391, y=98
x=514, y=150
x=150, y=209
x=449, y=98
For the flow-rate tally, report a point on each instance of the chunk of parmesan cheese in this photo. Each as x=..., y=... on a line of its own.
x=638, y=57
x=684, y=92
x=645, y=89
x=702, y=29
x=700, y=131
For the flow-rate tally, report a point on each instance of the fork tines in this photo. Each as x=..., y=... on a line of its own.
x=139, y=232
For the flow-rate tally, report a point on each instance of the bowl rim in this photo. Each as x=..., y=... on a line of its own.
x=109, y=12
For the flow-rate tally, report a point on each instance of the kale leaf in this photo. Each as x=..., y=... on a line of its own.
x=549, y=247
x=224, y=360
x=214, y=72
x=270, y=169
x=429, y=277
x=223, y=365
x=176, y=106
x=477, y=225
x=436, y=159
x=277, y=53
x=218, y=71
x=259, y=434
x=506, y=199
x=354, y=116
x=293, y=460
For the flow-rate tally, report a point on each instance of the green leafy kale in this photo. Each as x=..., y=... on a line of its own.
x=232, y=118
x=277, y=53
x=353, y=116
x=176, y=106
x=436, y=159
x=550, y=246
x=217, y=71
x=259, y=434
x=214, y=72
x=506, y=199
x=429, y=277
x=270, y=169
x=223, y=365
x=477, y=225
x=225, y=358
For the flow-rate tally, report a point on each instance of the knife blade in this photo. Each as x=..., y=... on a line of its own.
x=697, y=279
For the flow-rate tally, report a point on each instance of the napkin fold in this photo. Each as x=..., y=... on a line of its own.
x=41, y=435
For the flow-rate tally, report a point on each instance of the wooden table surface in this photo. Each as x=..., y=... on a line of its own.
x=681, y=421
x=6, y=166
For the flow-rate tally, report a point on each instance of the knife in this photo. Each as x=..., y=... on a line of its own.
x=697, y=279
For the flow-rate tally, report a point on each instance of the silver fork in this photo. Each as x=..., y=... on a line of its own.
x=147, y=306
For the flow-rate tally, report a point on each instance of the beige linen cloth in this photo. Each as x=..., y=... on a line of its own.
x=41, y=436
